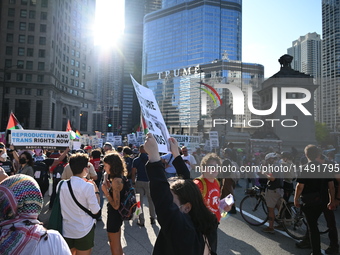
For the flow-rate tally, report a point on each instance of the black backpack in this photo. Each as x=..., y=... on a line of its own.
x=128, y=202
x=57, y=172
x=41, y=175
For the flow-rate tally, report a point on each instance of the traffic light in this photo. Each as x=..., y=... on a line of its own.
x=109, y=125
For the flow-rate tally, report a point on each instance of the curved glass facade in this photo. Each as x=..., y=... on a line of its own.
x=188, y=33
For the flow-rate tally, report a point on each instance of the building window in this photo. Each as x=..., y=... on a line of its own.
x=27, y=91
x=72, y=72
x=77, y=54
x=21, y=51
x=82, y=85
x=11, y=12
x=22, y=39
x=11, y=1
x=44, y=3
x=23, y=111
x=77, y=83
x=9, y=38
x=19, y=77
x=39, y=92
x=72, y=61
x=10, y=24
x=72, y=52
x=20, y=64
x=38, y=113
x=42, y=40
x=28, y=77
x=9, y=50
x=8, y=62
x=72, y=82
x=30, y=39
x=29, y=52
x=89, y=69
x=77, y=63
x=43, y=28
x=43, y=15
x=18, y=91
x=31, y=14
x=33, y=2
x=23, y=13
x=24, y=2
x=29, y=65
x=76, y=73
x=22, y=26
x=41, y=65
x=83, y=75
x=40, y=78
x=41, y=53
x=31, y=26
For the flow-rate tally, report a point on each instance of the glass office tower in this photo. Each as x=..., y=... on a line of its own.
x=188, y=42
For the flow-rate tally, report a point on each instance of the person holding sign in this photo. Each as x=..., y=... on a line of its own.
x=186, y=223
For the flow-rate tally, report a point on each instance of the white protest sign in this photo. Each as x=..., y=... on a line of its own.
x=94, y=140
x=109, y=137
x=30, y=139
x=189, y=141
x=76, y=145
x=213, y=137
x=140, y=138
x=100, y=142
x=132, y=139
x=117, y=140
x=152, y=115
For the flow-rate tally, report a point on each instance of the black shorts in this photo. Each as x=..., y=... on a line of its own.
x=114, y=220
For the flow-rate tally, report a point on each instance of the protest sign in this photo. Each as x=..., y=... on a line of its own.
x=132, y=139
x=152, y=115
x=213, y=137
x=117, y=140
x=189, y=141
x=140, y=138
x=31, y=139
x=109, y=137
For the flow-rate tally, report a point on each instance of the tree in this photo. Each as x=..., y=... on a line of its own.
x=322, y=133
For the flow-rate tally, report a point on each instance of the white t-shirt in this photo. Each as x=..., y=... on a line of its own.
x=191, y=159
x=54, y=245
x=76, y=222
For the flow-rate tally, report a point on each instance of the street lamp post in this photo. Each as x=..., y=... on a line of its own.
x=3, y=113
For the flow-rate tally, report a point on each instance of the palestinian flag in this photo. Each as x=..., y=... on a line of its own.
x=69, y=129
x=13, y=123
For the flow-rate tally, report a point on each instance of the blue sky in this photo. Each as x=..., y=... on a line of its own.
x=270, y=26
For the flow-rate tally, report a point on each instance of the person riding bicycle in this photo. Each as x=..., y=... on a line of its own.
x=289, y=174
x=274, y=190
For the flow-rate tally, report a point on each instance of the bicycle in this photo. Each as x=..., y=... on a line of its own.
x=254, y=211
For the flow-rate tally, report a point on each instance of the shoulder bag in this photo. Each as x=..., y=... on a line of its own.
x=94, y=216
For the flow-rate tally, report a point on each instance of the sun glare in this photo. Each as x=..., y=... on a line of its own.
x=109, y=22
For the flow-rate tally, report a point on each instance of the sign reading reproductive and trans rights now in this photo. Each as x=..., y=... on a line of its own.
x=152, y=115
x=31, y=139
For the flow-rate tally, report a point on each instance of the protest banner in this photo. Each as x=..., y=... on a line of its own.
x=132, y=139
x=213, y=137
x=117, y=140
x=31, y=139
x=189, y=141
x=152, y=115
x=109, y=137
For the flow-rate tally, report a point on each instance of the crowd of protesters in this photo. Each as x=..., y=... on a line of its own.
x=101, y=173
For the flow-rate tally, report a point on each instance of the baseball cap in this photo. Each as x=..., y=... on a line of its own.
x=270, y=155
x=88, y=147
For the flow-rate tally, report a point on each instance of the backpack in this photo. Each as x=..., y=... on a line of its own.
x=128, y=202
x=41, y=175
x=57, y=172
x=204, y=192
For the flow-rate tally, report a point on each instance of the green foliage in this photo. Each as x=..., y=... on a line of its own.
x=322, y=133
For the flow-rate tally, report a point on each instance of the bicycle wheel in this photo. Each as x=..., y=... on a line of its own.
x=293, y=221
x=254, y=210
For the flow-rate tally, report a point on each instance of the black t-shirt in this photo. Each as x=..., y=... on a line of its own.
x=312, y=185
x=7, y=166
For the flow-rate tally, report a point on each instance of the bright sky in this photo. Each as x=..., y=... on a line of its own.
x=109, y=23
x=270, y=26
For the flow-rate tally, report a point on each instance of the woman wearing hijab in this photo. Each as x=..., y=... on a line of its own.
x=20, y=231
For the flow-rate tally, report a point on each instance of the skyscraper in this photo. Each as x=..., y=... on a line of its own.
x=331, y=63
x=46, y=53
x=188, y=42
x=306, y=52
x=132, y=48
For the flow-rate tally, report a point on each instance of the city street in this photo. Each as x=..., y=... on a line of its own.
x=235, y=236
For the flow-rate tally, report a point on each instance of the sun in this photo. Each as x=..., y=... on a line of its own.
x=109, y=22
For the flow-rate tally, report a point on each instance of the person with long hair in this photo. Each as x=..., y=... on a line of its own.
x=186, y=222
x=26, y=163
x=113, y=188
